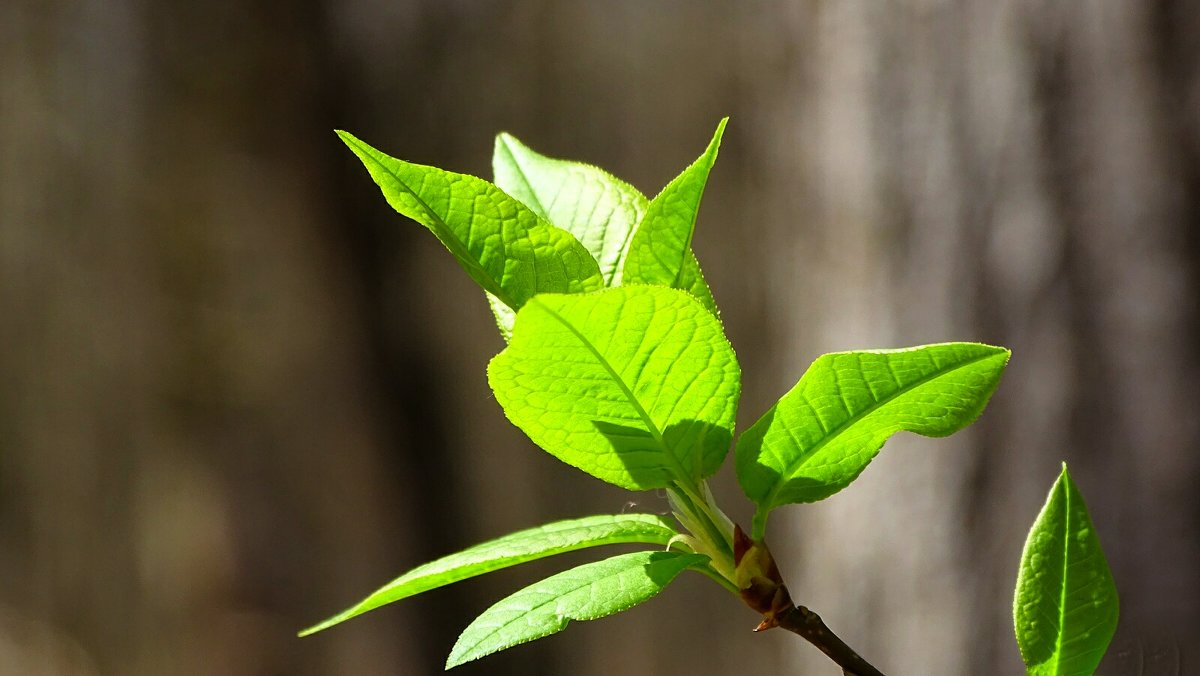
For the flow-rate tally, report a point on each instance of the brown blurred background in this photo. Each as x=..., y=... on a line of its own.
x=237, y=392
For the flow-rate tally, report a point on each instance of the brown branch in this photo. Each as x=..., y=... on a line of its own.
x=762, y=588
x=810, y=626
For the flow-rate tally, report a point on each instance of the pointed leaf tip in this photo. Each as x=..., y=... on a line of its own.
x=717, y=135
x=660, y=251
x=504, y=246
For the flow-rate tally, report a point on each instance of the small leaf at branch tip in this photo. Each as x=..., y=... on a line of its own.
x=1065, y=609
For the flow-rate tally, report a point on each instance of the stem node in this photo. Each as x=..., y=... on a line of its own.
x=762, y=588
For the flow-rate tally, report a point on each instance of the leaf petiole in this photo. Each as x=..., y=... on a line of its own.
x=711, y=528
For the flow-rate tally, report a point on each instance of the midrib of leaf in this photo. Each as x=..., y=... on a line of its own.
x=1062, y=593
x=524, y=177
x=633, y=400
x=855, y=419
x=553, y=599
x=691, y=236
x=455, y=245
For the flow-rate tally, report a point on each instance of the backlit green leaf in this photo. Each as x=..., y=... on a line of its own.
x=510, y=550
x=822, y=434
x=1066, y=605
x=691, y=279
x=660, y=252
x=598, y=208
x=503, y=315
x=635, y=385
x=506, y=248
x=588, y=592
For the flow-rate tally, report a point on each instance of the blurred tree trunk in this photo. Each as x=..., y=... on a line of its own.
x=192, y=464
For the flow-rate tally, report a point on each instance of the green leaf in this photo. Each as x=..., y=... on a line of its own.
x=636, y=385
x=510, y=550
x=588, y=202
x=691, y=279
x=504, y=316
x=587, y=592
x=660, y=252
x=1066, y=607
x=822, y=434
x=506, y=248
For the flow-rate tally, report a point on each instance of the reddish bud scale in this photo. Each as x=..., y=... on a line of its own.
x=758, y=580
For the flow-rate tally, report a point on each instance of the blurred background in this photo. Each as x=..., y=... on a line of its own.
x=238, y=392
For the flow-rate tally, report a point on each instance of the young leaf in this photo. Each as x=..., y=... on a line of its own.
x=506, y=248
x=598, y=208
x=691, y=279
x=510, y=550
x=822, y=434
x=587, y=592
x=1065, y=610
x=660, y=252
x=504, y=316
x=636, y=385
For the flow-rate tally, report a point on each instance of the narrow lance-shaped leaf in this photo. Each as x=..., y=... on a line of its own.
x=587, y=592
x=510, y=550
x=637, y=385
x=586, y=201
x=660, y=251
x=507, y=249
x=822, y=434
x=1066, y=606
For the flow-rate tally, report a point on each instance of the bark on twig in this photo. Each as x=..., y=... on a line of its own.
x=810, y=626
x=762, y=589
